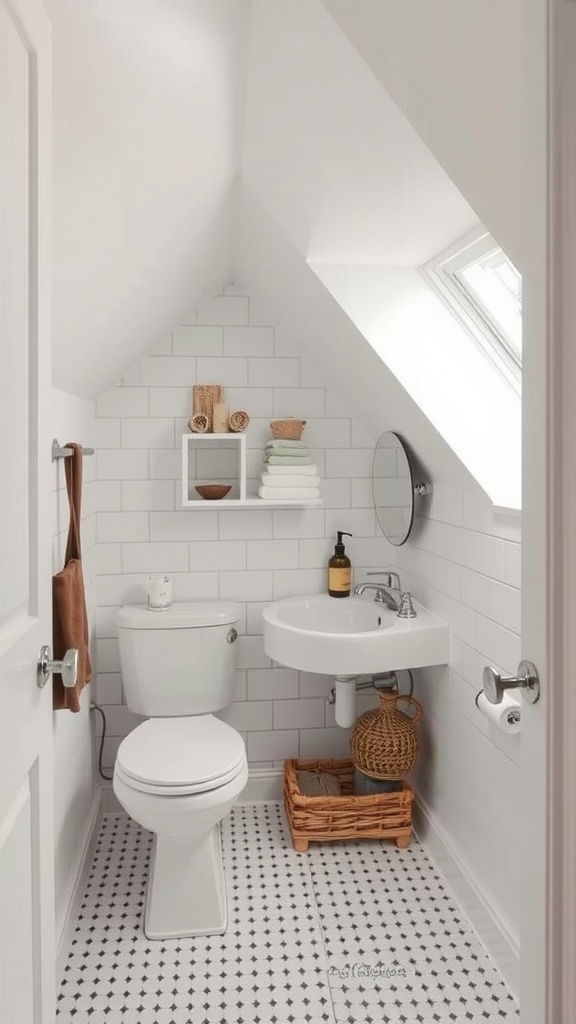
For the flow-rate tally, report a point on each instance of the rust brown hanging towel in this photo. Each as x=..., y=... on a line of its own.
x=70, y=619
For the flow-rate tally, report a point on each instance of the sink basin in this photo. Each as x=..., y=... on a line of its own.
x=351, y=636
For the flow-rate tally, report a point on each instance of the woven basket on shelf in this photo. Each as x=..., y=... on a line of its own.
x=290, y=429
x=316, y=818
x=384, y=741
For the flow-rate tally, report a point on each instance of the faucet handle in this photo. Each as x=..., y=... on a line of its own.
x=393, y=578
x=407, y=609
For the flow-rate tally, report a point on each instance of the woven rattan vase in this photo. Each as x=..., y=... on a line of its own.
x=384, y=741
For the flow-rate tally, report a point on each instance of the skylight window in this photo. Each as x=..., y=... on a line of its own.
x=483, y=288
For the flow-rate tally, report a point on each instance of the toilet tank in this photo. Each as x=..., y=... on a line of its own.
x=179, y=661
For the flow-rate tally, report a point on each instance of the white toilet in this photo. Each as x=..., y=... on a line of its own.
x=179, y=773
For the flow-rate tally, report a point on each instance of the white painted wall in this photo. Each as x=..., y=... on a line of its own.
x=147, y=106
x=76, y=790
x=454, y=69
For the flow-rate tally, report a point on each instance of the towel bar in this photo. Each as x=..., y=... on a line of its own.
x=64, y=453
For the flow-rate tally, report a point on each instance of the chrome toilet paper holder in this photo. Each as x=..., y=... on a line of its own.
x=513, y=715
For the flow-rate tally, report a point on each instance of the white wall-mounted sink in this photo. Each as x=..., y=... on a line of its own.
x=351, y=636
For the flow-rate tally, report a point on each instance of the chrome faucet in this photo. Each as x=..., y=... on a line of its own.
x=386, y=591
x=383, y=594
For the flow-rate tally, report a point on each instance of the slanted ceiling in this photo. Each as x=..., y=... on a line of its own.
x=147, y=114
x=454, y=70
x=174, y=119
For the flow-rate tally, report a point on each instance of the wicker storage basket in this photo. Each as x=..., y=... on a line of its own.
x=290, y=430
x=315, y=818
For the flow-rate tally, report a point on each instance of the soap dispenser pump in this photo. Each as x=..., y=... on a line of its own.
x=339, y=569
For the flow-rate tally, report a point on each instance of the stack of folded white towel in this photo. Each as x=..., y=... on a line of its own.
x=289, y=473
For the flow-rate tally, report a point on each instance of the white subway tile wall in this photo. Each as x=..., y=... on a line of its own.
x=464, y=563
x=249, y=555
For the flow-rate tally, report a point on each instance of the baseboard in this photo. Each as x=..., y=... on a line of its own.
x=490, y=928
x=84, y=862
x=109, y=803
x=264, y=786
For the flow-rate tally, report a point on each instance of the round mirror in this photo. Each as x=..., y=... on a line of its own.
x=393, y=488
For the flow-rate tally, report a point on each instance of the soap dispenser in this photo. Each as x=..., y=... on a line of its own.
x=339, y=569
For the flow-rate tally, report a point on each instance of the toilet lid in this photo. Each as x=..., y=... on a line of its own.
x=190, y=755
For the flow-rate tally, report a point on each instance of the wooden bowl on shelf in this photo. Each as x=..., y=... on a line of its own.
x=213, y=492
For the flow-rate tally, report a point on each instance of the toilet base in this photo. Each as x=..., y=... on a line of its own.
x=186, y=892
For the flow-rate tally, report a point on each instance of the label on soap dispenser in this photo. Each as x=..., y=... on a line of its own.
x=340, y=579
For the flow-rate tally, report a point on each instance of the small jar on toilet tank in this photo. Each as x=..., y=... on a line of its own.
x=159, y=594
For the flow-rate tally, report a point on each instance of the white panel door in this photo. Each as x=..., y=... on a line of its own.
x=26, y=845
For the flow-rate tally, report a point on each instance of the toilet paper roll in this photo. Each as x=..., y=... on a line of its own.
x=159, y=593
x=507, y=715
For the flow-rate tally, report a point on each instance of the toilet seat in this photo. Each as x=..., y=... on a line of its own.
x=180, y=756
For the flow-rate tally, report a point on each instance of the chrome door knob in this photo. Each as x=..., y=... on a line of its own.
x=527, y=681
x=67, y=668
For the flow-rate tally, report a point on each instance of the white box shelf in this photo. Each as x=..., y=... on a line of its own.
x=221, y=459
x=213, y=459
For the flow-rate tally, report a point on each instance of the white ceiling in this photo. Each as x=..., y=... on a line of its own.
x=454, y=69
x=330, y=153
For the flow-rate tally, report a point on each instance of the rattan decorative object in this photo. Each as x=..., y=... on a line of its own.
x=317, y=818
x=199, y=423
x=384, y=741
x=204, y=396
x=238, y=421
x=289, y=429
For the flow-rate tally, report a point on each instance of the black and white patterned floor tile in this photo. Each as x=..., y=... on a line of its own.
x=348, y=933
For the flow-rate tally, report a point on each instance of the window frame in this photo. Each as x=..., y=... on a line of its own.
x=440, y=273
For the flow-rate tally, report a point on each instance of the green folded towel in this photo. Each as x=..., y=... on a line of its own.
x=285, y=450
x=285, y=442
x=288, y=460
x=286, y=453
